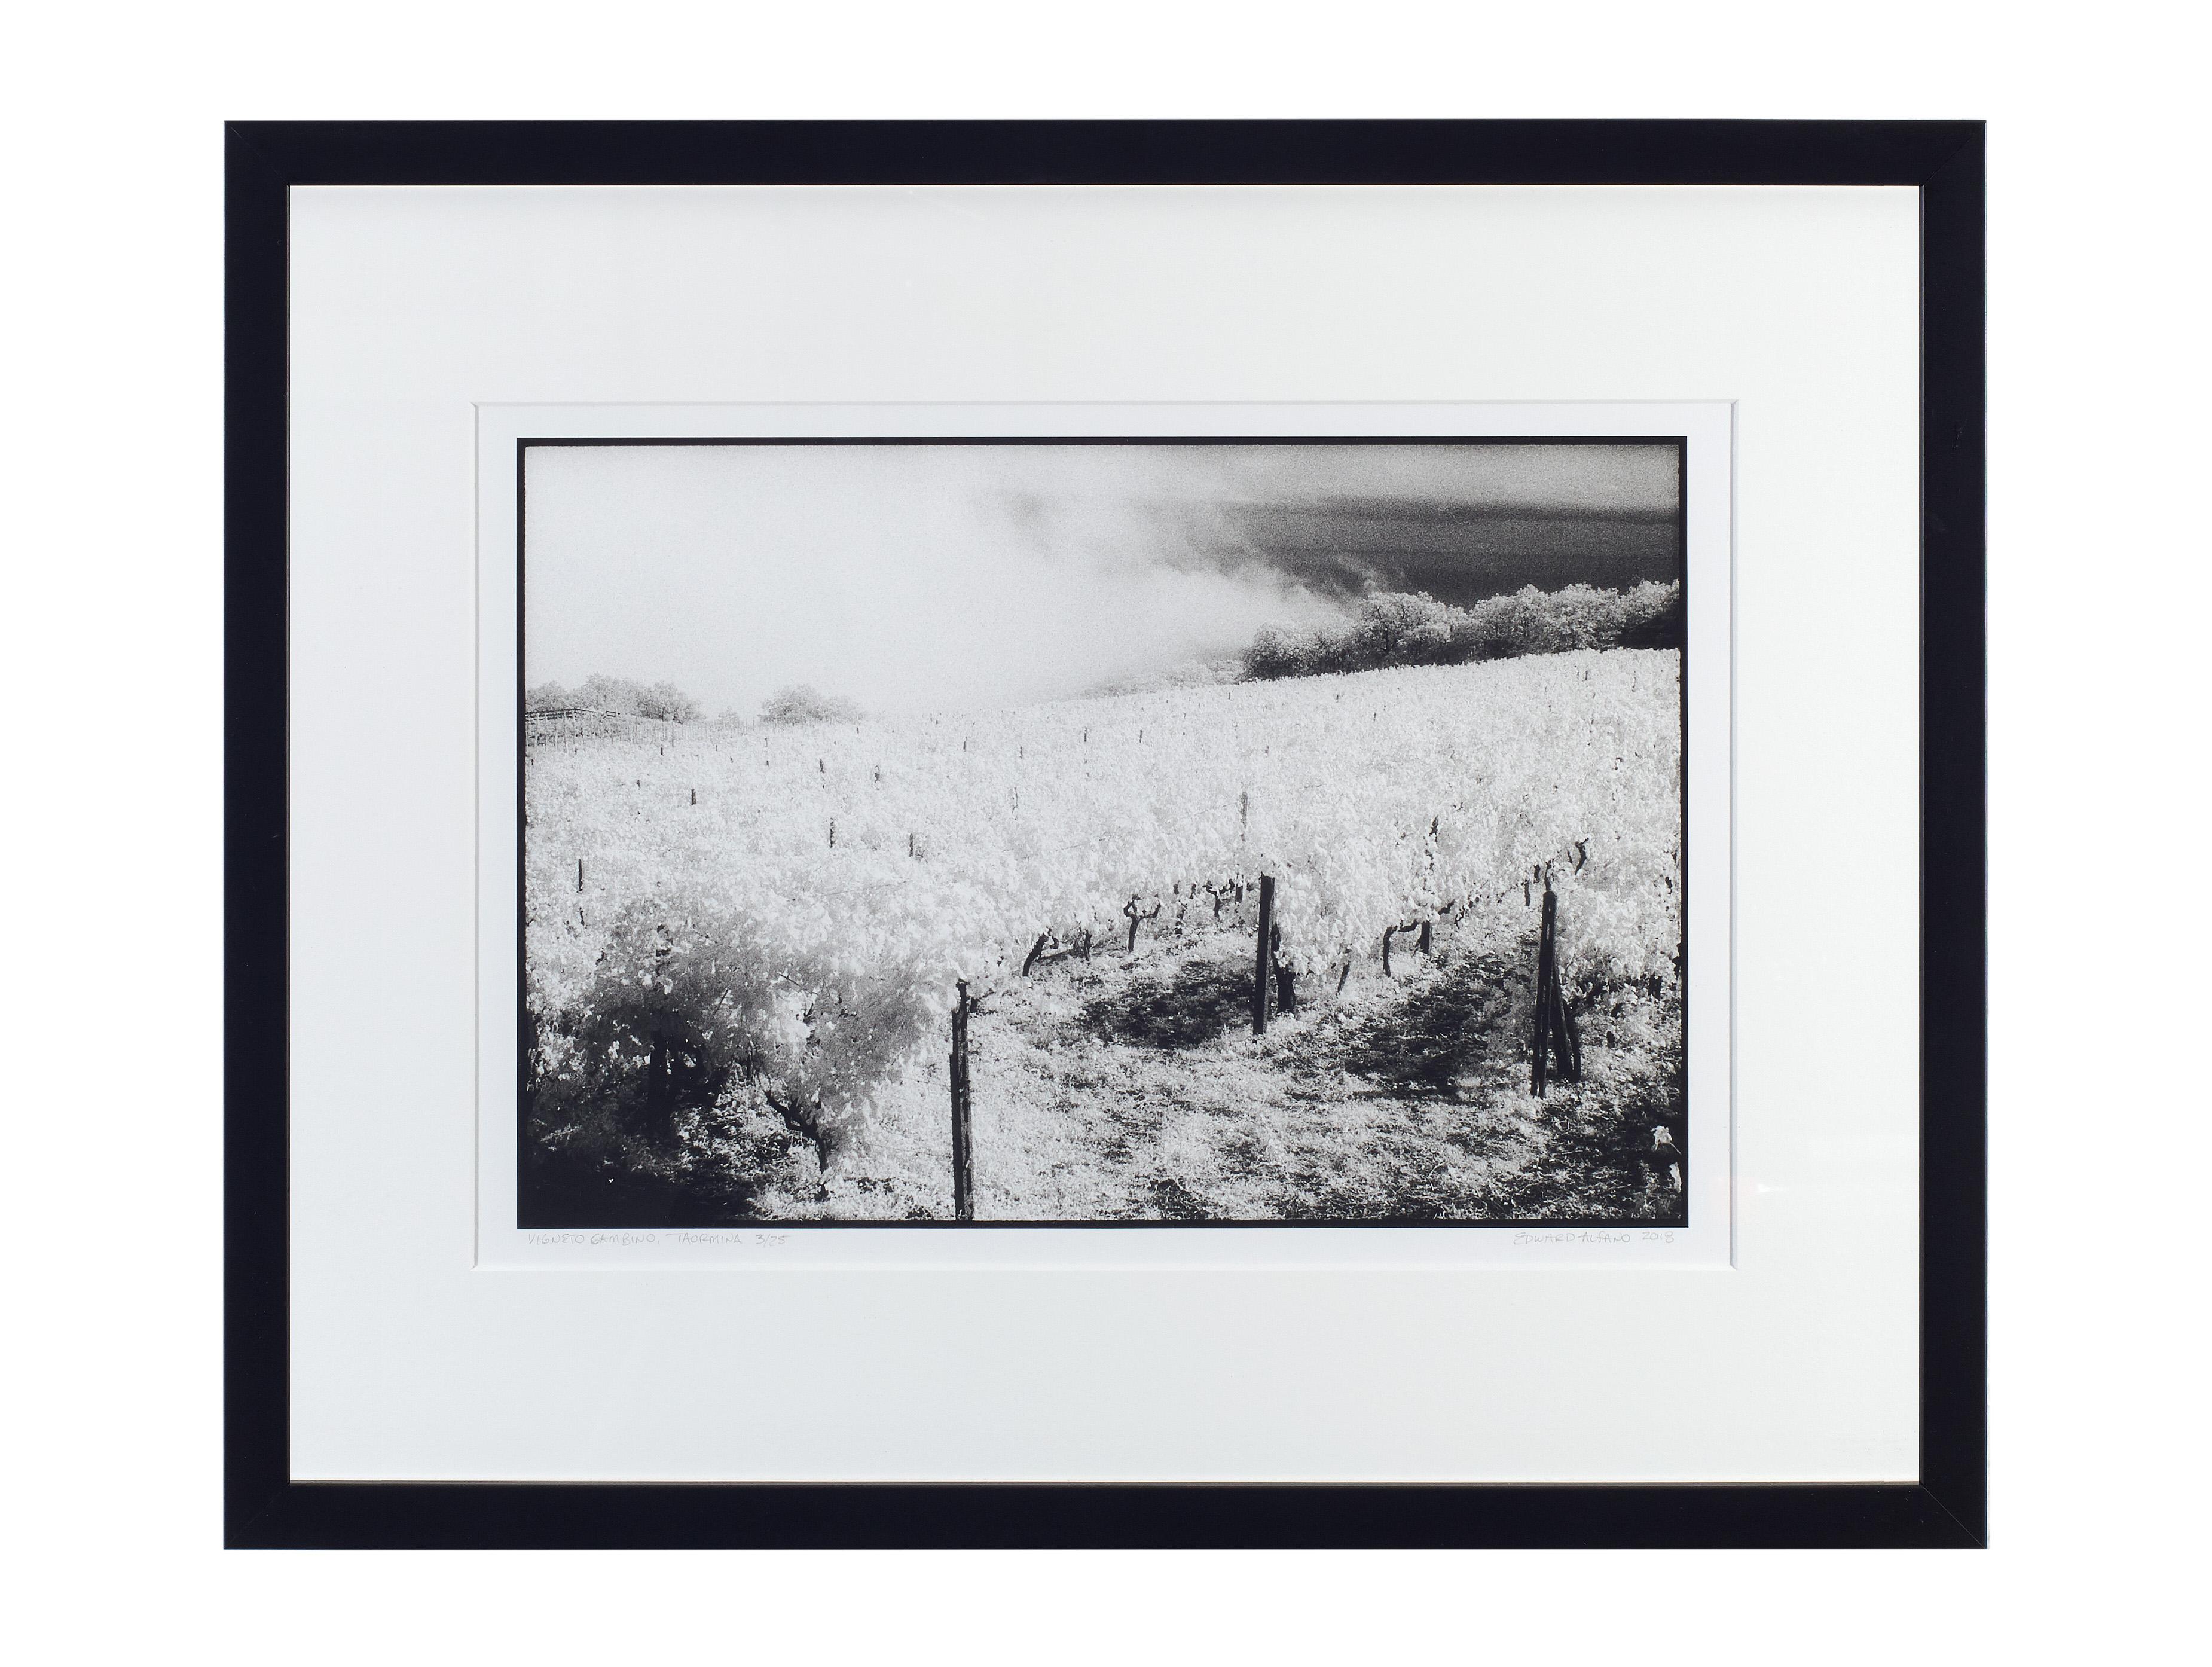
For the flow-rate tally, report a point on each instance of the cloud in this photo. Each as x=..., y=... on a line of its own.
x=916, y=576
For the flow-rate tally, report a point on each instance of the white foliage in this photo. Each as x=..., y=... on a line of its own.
x=1376, y=799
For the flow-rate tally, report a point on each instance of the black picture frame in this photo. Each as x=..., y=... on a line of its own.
x=1945, y=161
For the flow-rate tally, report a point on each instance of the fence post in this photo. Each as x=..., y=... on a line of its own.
x=963, y=1177
x=1546, y=972
x=1260, y=981
x=1569, y=1045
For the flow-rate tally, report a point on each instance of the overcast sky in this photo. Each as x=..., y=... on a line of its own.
x=912, y=577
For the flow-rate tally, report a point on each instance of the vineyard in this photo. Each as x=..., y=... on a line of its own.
x=745, y=948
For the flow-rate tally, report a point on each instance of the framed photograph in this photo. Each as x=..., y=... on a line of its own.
x=1168, y=818
x=1127, y=834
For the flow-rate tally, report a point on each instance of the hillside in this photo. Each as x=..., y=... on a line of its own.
x=739, y=996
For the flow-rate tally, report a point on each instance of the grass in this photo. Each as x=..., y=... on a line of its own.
x=1131, y=1088
x=890, y=859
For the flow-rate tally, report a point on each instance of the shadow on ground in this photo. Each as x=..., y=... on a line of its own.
x=1456, y=1025
x=1201, y=1000
x=561, y=1191
x=1595, y=1159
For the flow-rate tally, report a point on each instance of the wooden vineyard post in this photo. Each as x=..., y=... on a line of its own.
x=1547, y=953
x=964, y=1165
x=1555, y=1031
x=1260, y=981
x=1569, y=1045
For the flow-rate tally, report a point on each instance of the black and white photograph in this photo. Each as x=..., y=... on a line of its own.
x=1106, y=832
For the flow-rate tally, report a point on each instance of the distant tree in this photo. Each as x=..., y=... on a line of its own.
x=803, y=703
x=548, y=697
x=1653, y=616
x=669, y=703
x=664, y=701
x=1580, y=617
x=1397, y=627
x=608, y=694
x=1276, y=654
x=1394, y=628
x=1499, y=627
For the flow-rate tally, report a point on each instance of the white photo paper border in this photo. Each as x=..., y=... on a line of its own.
x=1703, y=1242
x=414, y=309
